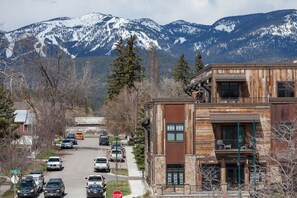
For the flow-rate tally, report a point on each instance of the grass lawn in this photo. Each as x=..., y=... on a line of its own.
x=121, y=185
x=120, y=171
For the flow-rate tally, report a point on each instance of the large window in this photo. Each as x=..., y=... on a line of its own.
x=286, y=89
x=230, y=134
x=175, y=174
x=230, y=90
x=175, y=132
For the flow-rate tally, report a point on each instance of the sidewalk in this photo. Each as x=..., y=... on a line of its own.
x=137, y=186
x=4, y=187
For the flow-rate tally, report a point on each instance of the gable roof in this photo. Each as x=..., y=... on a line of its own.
x=20, y=116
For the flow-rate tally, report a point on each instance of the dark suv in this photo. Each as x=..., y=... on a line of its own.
x=54, y=188
x=104, y=140
x=28, y=188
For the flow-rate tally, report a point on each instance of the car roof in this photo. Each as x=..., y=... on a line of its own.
x=55, y=180
x=101, y=157
x=36, y=172
x=95, y=176
x=54, y=157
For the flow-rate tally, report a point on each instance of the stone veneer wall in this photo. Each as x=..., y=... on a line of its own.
x=160, y=169
x=190, y=171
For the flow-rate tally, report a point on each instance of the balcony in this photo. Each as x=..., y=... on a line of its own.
x=240, y=100
x=228, y=148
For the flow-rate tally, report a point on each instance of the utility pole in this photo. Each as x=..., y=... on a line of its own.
x=254, y=157
x=239, y=138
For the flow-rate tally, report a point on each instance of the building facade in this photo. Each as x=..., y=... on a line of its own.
x=213, y=140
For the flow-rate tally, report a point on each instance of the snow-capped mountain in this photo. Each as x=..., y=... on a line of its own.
x=250, y=38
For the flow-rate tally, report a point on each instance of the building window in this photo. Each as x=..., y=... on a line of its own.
x=175, y=174
x=286, y=89
x=230, y=135
x=175, y=132
x=229, y=90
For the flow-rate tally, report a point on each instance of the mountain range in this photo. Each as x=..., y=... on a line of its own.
x=262, y=37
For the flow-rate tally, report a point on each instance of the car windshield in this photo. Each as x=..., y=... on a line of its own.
x=53, y=160
x=116, y=152
x=26, y=185
x=95, y=178
x=97, y=187
x=101, y=160
x=66, y=141
x=52, y=184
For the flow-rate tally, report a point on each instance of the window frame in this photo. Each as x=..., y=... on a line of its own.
x=173, y=133
x=285, y=89
x=175, y=169
x=229, y=90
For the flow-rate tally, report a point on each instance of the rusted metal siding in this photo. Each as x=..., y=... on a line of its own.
x=283, y=113
x=175, y=151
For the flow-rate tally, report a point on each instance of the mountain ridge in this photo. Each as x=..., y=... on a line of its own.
x=258, y=37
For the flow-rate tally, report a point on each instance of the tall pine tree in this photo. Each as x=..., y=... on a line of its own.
x=116, y=80
x=198, y=63
x=181, y=71
x=7, y=128
x=126, y=67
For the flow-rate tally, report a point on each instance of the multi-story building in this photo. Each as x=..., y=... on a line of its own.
x=212, y=140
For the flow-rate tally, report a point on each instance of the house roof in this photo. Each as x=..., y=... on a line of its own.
x=90, y=120
x=20, y=116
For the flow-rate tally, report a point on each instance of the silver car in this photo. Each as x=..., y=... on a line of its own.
x=66, y=143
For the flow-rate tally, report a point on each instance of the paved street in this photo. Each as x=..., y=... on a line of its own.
x=78, y=164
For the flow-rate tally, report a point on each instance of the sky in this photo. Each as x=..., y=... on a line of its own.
x=18, y=13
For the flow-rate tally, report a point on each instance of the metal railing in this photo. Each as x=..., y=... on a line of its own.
x=237, y=100
x=230, y=144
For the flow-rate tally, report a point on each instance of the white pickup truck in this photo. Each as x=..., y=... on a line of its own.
x=101, y=163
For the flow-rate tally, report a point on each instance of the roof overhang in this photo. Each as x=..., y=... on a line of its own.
x=234, y=118
x=230, y=77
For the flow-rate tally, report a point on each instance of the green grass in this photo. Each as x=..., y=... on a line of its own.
x=120, y=171
x=46, y=154
x=8, y=194
x=121, y=185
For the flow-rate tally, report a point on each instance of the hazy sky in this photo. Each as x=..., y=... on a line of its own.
x=18, y=13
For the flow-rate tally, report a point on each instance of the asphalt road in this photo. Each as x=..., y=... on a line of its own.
x=78, y=164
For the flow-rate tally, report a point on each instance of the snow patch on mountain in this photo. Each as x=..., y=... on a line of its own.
x=180, y=40
x=225, y=27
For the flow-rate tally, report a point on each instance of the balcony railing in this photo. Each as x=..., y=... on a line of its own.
x=239, y=100
x=231, y=144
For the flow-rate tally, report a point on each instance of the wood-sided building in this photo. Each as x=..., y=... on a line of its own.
x=221, y=129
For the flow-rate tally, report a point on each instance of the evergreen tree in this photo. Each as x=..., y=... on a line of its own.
x=198, y=63
x=181, y=71
x=133, y=70
x=115, y=80
x=126, y=67
x=7, y=128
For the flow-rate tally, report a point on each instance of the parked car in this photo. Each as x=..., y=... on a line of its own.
x=95, y=190
x=27, y=188
x=66, y=143
x=101, y=163
x=54, y=188
x=38, y=179
x=104, y=140
x=54, y=163
x=119, y=147
x=73, y=139
x=116, y=155
x=39, y=173
x=95, y=179
x=79, y=136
